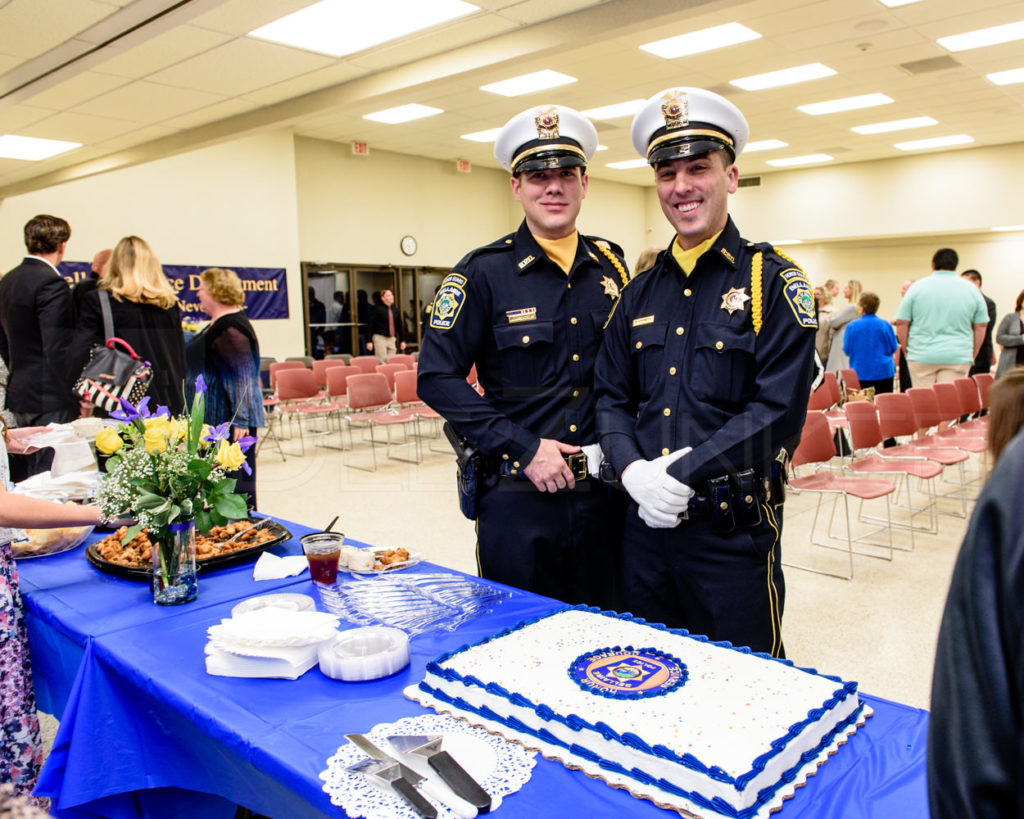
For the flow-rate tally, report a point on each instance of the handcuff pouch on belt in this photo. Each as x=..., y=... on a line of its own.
x=736, y=499
x=470, y=471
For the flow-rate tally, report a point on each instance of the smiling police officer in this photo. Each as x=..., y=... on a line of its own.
x=529, y=311
x=702, y=383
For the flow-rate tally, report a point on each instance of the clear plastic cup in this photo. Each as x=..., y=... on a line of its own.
x=323, y=551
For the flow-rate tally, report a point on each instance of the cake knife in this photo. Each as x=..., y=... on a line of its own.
x=459, y=806
x=388, y=774
x=453, y=774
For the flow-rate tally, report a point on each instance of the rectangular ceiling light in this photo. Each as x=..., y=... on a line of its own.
x=614, y=111
x=403, y=113
x=937, y=142
x=1014, y=75
x=894, y=3
x=765, y=145
x=627, y=164
x=1003, y=228
x=806, y=159
x=340, y=27
x=778, y=242
x=695, y=42
x=482, y=136
x=894, y=125
x=33, y=148
x=845, y=104
x=537, y=81
x=983, y=37
x=787, y=76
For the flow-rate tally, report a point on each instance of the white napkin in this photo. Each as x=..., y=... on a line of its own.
x=272, y=567
x=49, y=486
x=273, y=627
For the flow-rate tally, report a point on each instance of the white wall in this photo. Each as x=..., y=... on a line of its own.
x=229, y=205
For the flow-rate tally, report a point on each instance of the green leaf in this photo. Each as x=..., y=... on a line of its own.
x=131, y=533
x=231, y=506
x=148, y=501
x=200, y=468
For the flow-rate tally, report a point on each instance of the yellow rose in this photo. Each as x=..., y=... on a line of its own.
x=229, y=456
x=108, y=441
x=157, y=422
x=156, y=440
x=178, y=429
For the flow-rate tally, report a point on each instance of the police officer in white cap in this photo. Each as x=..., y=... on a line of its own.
x=702, y=387
x=528, y=310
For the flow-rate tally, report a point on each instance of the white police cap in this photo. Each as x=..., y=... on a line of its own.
x=685, y=122
x=547, y=136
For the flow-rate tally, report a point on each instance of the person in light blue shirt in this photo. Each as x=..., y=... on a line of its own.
x=941, y=323
x=870, y=343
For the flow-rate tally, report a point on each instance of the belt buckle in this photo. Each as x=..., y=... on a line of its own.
x=577, y=463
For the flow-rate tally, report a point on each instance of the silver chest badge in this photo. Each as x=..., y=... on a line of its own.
x=735, y=300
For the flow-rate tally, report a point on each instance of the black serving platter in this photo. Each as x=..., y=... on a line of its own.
x=203, y=564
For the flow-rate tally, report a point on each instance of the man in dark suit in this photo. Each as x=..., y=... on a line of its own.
x=35, y=328
x=985, y=358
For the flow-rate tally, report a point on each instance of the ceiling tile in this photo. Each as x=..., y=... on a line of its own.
x=240, y=66
x=211, y=113
x=26, y=36
x=16, y=117
x=75, y=90
x=305, y=83
x=239, y=17
x=145, y=102
x=164, y=50
x=78, y=128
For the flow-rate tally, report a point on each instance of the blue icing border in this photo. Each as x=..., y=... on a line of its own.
x=582, y=670
x=577, y=723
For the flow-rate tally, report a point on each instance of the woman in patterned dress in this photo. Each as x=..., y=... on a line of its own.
x=20, y=751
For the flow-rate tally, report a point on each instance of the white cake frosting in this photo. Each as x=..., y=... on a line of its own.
x=734, y=737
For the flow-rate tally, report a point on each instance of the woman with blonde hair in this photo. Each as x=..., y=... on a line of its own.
x=227, y=354
x=144, y=309
x=837, y=359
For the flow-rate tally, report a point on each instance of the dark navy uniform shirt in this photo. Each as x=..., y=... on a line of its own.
x=682, y=366
x=533, y=333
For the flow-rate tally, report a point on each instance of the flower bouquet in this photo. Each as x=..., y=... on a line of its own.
x=169, y=474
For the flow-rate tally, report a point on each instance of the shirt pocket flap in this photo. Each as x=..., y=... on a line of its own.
x=523, y=335
x=724, y=338
x=648, y=335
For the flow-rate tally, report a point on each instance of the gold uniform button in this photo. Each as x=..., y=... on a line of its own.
x=748, y=498
x=573, y=320
x=666, y=412
x=572, y=427
x=508, y=241
x=665, y=450
x=575, y=393
x=719, y=345
x=575, y=356
x=671, y=370
x=512, y=471
x=639, y=344
x=723, y=506
x=504, y=456
x=687, y=292
x=679, y=331
x=526, y=339
x=515, y=464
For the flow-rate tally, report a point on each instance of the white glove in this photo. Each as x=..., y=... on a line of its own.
x=595, y=457
x=661, y=497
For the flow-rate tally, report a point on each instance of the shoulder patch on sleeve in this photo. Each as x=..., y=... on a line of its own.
x=798, y=294
x=444, y=311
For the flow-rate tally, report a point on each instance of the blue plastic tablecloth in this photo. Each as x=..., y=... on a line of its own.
x=147, y=733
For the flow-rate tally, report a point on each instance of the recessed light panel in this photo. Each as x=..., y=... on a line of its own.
x=618, y=109
x=806, y=159
x=765, y=145
x=845, y=104
x=537, y=81
x=403, y=113
x=786, y=76
x=340, y=27
x=983, y=37
x=1014, y=75
x=32, y=148
x=695, y=42
x=894, y=125
x=778, y=242
x=937, y=142
x=894, y=3
x=482, y=136
x=1005, y=228
x=627, y=164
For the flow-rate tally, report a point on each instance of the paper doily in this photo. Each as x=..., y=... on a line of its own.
x=511, y=767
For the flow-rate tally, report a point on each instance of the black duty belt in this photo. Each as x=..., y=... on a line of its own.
x=736, y=499
x=577, y=462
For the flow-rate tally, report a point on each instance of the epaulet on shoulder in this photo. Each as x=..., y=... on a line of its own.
x=780, y=259
x=614, y=248
x=504, y=243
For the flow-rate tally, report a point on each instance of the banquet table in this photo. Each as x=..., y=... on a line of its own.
x=146, y=732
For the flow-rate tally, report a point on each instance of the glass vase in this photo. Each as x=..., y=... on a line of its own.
x=174, y=563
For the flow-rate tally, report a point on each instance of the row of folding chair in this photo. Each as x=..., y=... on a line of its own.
x=935, y=438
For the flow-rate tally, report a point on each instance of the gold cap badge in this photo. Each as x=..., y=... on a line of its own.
x=676, y=109
x=547, y=123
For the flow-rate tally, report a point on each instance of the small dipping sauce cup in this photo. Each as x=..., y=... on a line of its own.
x=323, y=551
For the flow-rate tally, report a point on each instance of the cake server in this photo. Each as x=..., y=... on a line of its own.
x=388, y=775
x=453, y=774
x=459, y=806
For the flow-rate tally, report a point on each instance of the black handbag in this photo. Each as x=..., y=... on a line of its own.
x=111, y=374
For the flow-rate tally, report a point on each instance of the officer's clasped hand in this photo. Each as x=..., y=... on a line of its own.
x=547, y=469
x=661, y=497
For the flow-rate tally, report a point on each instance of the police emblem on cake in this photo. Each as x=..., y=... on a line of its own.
x=628, y=673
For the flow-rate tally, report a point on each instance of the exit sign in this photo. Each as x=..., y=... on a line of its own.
x=360, y=149
x=463, y=166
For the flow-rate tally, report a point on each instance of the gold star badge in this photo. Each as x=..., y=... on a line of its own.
x=610, y=287
x=735, y=300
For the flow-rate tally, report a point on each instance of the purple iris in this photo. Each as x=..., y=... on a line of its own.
x=217, y=433
x=200, y=385
x=128, y=413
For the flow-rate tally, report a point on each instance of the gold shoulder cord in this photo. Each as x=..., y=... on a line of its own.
x=615, y=263
x=756, y=299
